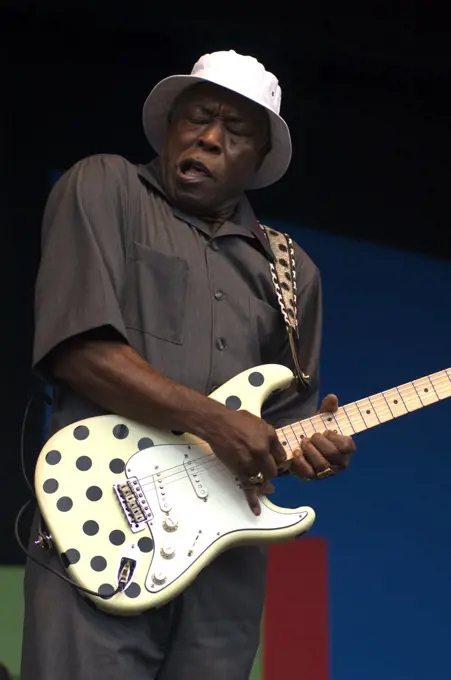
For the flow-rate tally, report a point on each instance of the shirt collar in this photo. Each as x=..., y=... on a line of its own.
x=242, y=223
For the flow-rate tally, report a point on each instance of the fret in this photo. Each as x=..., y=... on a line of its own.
x=397, y=403
x=425, y=391
x=411, y=397
x=355, y=417
x=303, y=432
x=379, y=408
x=442, y=384
x=363, y=414
x=338, y=422
x=346, y=425
x=308, y=427
x=387, y=402
x=367, y=412
x=330, y=421
x=400, y=391
x=432, y=385
x=285, y=438
x=296, y=438
x=317, y=423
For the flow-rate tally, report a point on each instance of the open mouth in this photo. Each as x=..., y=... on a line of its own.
x=192, y=167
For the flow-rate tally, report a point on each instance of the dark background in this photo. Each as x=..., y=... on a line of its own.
x=365, y=92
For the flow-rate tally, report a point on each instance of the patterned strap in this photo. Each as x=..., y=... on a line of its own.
x=283, y=274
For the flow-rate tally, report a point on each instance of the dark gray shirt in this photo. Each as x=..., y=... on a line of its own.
x=199, y=307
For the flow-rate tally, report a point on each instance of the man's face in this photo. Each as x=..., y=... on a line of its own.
x=216, y=141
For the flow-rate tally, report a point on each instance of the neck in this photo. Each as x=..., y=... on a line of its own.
x=215, y=223
x=216, y=219
x=365, y=413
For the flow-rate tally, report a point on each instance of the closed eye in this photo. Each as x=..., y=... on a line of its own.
x=237, y=129
x=199, y=120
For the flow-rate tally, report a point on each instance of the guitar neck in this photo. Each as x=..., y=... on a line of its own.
x=375, y=410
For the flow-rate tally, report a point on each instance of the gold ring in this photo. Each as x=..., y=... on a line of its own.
x=325, y=473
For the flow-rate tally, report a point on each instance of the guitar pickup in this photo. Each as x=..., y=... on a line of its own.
x=192, y=470
x=133, y=503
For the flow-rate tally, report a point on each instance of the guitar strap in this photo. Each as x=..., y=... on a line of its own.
x=283, y=275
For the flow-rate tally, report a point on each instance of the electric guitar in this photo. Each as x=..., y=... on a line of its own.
x=136, y=513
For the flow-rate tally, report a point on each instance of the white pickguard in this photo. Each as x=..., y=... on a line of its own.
x=82, y=468
x=204, y=500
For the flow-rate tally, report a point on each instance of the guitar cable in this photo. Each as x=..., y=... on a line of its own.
x=125, y=571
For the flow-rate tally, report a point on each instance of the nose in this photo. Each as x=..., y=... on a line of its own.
x=211, y=138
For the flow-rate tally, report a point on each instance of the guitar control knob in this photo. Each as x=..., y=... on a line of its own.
x=170, y=524
x=159, y=578
x=168, y=552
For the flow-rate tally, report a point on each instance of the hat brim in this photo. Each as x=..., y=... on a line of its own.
x=155, y=121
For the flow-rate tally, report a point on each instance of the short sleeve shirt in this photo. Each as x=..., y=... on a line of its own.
x=200, y=307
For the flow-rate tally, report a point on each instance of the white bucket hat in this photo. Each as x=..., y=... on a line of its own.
x=244, y=75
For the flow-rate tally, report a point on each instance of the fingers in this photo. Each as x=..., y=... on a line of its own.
x=301, y=467
x=268, y=462
x=329, y=404
x=320, y=453
x=253, y=501
x=265, y=459
x=277, y=450
x=309, y=461
x=264, y=464
x=344, y=444
x=252, y=494
x=250, y=465
x=328, y=448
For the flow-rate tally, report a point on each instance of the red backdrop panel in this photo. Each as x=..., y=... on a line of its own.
x=296, y=637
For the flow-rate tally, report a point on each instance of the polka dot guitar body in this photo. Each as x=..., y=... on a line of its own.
x=148, y=508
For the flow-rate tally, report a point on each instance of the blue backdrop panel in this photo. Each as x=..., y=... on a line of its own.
x=388, y=519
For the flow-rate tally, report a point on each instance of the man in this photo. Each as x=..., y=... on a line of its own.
x=154, y=288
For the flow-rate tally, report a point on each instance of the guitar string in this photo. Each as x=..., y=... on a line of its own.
x=183, y=474
x=339, y=417
x=173, y=470
x=409, y=392
x=212, y=460
x=350, y=417
x=214, y=468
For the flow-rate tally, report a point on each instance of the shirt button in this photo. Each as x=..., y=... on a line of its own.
x=220, y=344
x=214, y=245
x=219, y=295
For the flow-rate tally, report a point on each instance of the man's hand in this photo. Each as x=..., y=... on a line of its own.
x=247, y=445
x=323, y=452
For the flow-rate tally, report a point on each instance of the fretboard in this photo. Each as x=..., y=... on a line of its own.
x=375, y=410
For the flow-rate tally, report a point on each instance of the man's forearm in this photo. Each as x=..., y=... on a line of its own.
x=114, y=376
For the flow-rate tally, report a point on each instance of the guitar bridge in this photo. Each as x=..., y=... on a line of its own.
x=133, y=503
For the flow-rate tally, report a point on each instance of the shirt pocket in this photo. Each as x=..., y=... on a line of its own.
x=156, y=293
